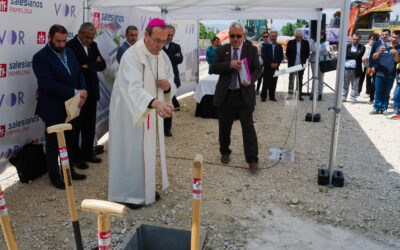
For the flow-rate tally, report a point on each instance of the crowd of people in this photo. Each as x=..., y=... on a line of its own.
x=375, y=63
x=143, y=97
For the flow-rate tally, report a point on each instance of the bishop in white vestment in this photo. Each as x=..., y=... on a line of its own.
x=140, y=99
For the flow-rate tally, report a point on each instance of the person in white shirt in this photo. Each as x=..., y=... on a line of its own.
x=353, y=68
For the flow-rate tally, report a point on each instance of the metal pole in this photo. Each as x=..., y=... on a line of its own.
x=316, y=64
x=339, y=86
x=198, y=51
x=86, y=11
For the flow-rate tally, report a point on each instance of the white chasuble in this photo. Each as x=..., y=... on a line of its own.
x=135, y=129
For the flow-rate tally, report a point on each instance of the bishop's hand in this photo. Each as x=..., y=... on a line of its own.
x=163, y=109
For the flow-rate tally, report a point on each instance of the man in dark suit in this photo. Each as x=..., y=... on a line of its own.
x=174, y=53
x=235, y=97
x=131, y=35
x=272, y=55
x=353, y=67
x=297, y=52
x=59, y=78
x=91, y=62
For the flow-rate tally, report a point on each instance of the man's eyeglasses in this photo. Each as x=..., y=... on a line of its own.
x=265, y=36
x=158, y=41
x=237, y=36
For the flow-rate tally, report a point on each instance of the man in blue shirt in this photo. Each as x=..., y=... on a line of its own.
x=131, y=35
x=59, y=77
x=383, y=59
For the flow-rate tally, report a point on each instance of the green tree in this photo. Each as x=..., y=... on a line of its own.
x=210, y=35
x=288, y=29
x=203, y=32
x=300, y=23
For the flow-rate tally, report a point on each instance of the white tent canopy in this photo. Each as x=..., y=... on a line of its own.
x=229, y=9
x=258, y=9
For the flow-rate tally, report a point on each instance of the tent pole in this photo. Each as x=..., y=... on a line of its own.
x=86, y=11
x=198, y=52
x=316, y=65
x=344, y=24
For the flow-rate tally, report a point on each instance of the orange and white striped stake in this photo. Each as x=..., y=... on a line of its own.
x=196, y=201
x=6, y=224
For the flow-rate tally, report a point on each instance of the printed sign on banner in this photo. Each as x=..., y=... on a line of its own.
x=112, y=22
x=18, y=43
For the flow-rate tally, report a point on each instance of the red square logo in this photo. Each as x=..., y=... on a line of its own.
x=3, y=70
x=96, y=20
x=41, y=37
x=3, y=5
x=2, y=130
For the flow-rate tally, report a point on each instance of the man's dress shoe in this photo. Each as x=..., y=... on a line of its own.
x=98, y=149
x=76, y=176
x=92, y=159
x=59, y=184
x=225, y=159
x=168, y=133
x=81, y=165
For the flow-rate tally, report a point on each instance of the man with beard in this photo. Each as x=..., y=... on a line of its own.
x=59, y=78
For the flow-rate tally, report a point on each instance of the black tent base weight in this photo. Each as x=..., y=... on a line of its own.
x=337, y=178
x=313, y=118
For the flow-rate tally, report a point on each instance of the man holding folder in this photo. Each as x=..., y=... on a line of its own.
x=236, y=97
x=59, y=78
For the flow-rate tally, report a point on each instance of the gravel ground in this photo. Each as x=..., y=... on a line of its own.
x=281, y=208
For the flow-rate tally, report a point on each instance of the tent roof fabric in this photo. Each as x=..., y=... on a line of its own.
x=229, y=9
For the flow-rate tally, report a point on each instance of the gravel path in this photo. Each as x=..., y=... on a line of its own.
x=281, y=208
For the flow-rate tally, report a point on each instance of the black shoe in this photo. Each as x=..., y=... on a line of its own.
x=311, y=97
x=319, y=98
x=168, y=133
x=81, y=165
x=273, y=99
x=301, y=98
x=98, y=149
x=92, y=159
x=158, y=197
x=58, y=184
x=263, y=99
x=76, y=176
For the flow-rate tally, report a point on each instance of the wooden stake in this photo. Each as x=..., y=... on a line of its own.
x=62, y=147
x=6, y=224
x=103, y=209
x=196, y=201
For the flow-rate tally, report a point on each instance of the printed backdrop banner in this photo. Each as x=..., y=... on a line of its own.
x=24, y=26
x=111, y=23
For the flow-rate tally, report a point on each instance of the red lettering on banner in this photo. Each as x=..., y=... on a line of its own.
x=41, y=37
x=3, y=70
x=96, y=19
x=3, y=5
x=2, y=130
